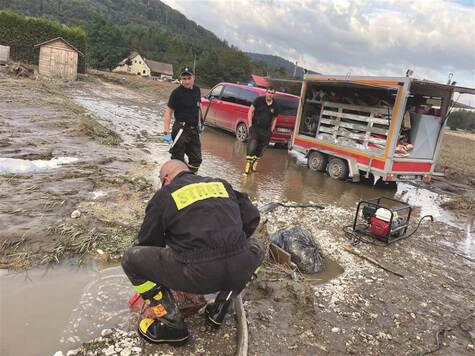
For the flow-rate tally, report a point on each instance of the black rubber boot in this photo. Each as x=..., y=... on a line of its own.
x=216, y=311
x=169, y=325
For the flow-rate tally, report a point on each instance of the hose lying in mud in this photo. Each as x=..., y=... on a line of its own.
x=441, y=333
x=242, y=345
x=355, y=238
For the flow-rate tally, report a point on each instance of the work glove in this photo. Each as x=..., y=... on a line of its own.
x=167, y=138
x=201, y=128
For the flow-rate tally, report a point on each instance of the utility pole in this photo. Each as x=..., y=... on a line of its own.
x=295, y=69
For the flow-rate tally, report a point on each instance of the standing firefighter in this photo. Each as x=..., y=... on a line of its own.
x=262, y=117
x=184, y=103
x=207, y=226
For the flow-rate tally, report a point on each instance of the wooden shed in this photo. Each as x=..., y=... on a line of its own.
x=4, y=54
x=59, y=59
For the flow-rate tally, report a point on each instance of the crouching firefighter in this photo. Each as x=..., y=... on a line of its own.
x=262, y=118
x=206, y=226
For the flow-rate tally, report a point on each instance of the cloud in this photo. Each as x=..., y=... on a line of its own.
x=432, y=37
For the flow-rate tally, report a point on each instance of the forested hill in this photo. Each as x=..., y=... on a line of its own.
x=114, y=28
x=152, y=13
x=279, y=62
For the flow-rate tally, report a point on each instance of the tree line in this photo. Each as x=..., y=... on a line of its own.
x=462, y=119
x=113, y=29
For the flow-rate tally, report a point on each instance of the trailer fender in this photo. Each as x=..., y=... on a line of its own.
x=354, y=171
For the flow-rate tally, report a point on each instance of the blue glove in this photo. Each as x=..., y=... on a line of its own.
x=201, y=128
x=167, y=138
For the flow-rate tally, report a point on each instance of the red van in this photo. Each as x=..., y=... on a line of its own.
x=227, y=105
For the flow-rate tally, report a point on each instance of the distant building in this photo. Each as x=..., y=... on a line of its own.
x=136, y=64
x=159, y=69
x=59, y=59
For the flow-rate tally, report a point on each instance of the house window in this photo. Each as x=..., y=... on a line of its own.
x=128, y=69
x=135, y=61
x=140, y=62
x=144, y=71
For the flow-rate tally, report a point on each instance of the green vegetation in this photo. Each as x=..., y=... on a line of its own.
x=115, y=28
x=23, y=33
x=462, y=119
x=89, y=126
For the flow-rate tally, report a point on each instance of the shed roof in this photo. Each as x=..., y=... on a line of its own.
x=131, y=56
x=159, y=67
x=60, y=39
x=260, y=81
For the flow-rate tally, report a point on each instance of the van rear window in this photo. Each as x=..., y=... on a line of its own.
x=288, y=105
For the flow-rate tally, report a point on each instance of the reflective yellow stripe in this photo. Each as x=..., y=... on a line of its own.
x=145, y=324
x=192, y=193
x=144, y=287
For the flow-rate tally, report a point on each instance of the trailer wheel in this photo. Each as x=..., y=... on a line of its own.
x=317, y=161
x=241, y=132
x=337, y=169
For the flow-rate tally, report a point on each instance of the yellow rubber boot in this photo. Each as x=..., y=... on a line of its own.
x=254, y=165
x=247, y=169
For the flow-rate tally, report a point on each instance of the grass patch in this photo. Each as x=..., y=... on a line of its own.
x=461, y=202
x=71, y=240
x=455, y=155
x=5, y=142
x=45, y=155
x=89, y=126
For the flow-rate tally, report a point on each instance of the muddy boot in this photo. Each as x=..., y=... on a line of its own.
x=193, y=169
x=254, y=164
x=216, y=311
x=248, y=167
x=169, y=325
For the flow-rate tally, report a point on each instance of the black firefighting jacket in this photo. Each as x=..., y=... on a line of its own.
x=199, y=218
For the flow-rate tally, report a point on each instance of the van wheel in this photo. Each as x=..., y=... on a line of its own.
x=241, y=132
x=337, y=169
x=317, y=161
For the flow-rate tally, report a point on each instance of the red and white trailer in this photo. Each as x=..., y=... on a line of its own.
x=389, y=127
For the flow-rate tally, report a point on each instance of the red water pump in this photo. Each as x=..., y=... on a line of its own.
x=383, y=218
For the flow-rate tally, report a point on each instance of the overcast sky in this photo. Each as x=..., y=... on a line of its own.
x=366, y=37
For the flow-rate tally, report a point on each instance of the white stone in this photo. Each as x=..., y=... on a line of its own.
x=109, y=351
x=75, y=214
x=99, y=251
x=106, y=332
x=126, y=352
x=58, y=353
x=335, y=330
x=72, y=352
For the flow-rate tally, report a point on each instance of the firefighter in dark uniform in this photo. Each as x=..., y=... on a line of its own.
x=262, y=117
x=184, y=103
x=206, y=226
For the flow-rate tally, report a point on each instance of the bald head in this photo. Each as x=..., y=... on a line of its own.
x=170, y=169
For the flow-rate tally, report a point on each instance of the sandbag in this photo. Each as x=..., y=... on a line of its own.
x=304, y=250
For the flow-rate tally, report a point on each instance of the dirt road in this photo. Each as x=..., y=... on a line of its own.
x=112, y=125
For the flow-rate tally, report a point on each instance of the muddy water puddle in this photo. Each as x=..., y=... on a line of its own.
x=46, y=310
x=61, y=307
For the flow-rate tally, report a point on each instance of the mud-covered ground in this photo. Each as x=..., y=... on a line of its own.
x=112, y=126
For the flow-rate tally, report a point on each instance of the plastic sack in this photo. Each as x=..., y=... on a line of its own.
x=304, y=250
